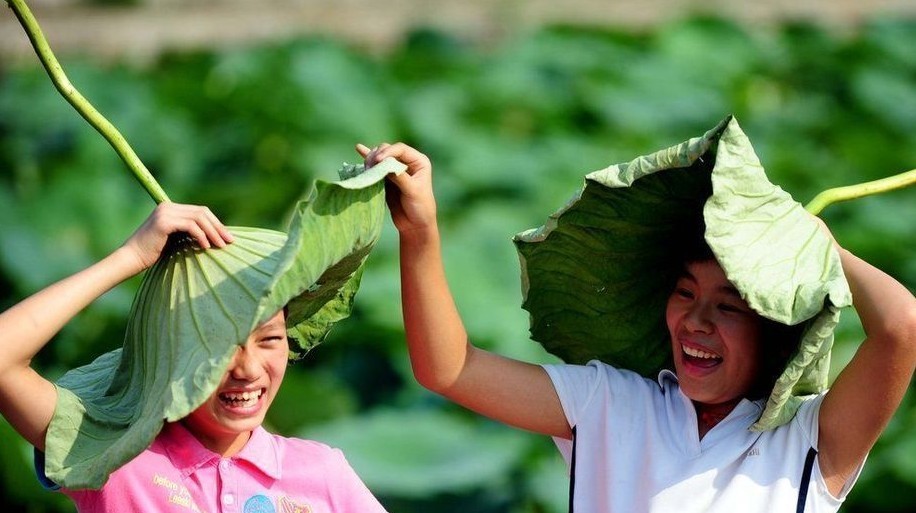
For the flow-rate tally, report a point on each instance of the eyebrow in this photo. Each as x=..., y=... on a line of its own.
x=730, y=290
x=271, y=325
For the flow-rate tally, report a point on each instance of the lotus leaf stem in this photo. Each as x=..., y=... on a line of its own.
x=837, y=194
x=86, y=110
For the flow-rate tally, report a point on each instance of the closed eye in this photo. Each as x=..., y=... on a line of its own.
x=725, y=307
x=272, y=339
x=684, y=293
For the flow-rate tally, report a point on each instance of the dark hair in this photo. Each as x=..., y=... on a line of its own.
x=693, y=244
x=778, y=343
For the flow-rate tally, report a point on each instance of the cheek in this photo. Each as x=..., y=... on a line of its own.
x=747, y=340
x=671, y=316
x=277, y=369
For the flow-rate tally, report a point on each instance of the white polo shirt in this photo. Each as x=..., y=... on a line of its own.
x=638, y=449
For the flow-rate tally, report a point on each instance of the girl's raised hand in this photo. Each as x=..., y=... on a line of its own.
x=199, y=223
x=409, y=195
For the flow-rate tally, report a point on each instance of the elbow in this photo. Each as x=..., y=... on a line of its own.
x=908, y=331
x=440, y=371
x=437, y=382
x=900, y=334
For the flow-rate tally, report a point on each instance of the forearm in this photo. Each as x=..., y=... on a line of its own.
x=885, y=307
x=29, y=325
x=436, y=337
x=869, y=389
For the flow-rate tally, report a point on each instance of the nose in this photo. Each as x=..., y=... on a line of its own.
x=697, y=319
x=245, y=364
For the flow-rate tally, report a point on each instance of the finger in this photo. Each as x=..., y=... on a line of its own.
x=194, y=230
x=400, y=180
x=396, y=150
x=373, y=157
x=213, y=229
x=221, y=236
x=414, y=159
x=198, y=222
x=362, y=149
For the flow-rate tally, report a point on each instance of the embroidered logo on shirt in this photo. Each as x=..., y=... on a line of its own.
x=259, y=504
x=754, y=452
x=263, y=504
x=178, y=494
x=287, y=505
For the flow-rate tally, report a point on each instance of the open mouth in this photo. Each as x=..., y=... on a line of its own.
x=245, y=399
x=700, y=358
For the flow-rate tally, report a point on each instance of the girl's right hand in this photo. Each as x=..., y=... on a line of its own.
x=409, y=195
x=199, y=223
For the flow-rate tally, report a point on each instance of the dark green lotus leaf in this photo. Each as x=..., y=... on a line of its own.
x=193, y=309
x=597, y=275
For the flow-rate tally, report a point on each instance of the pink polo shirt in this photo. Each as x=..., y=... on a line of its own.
x=271, y=474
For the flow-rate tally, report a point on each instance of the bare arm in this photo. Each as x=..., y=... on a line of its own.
x=516, y=393
x=868, y=391
x=27, y=400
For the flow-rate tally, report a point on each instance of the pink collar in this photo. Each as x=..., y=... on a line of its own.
x=187, y=454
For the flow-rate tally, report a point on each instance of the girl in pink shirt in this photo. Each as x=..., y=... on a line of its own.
x=218, y=458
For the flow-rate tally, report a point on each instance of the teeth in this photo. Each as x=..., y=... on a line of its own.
x=698, y=353
x=244, y=399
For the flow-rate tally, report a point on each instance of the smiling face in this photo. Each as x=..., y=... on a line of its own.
x=224, y=422
x=715, y=337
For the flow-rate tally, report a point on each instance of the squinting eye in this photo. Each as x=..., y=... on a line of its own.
x=730, y=308
x=684, y=293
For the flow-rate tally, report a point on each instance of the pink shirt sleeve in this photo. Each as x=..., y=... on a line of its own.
x=349, y=494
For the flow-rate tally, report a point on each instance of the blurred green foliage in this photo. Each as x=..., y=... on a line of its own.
x=511, y=130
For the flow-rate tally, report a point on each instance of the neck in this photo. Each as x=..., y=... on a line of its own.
x=709, y=415
x=224, y=444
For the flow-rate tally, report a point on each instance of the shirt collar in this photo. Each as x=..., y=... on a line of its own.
x=186, y=452
x=666, y=375
x=263, y=452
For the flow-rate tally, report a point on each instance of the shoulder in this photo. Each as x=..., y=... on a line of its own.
x=806, y=419
x=301, y=449
x=596, y=374
x=597, y=386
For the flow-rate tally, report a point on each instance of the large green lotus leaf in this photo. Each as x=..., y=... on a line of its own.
x=597, y=275
x=193, y=309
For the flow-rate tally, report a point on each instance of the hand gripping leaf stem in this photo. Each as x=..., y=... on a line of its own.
x=195, y=306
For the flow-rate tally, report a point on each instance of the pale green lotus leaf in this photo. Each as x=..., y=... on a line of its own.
x=195, y=307
x=596, y=276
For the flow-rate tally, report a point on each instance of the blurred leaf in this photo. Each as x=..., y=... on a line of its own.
x=308, y=398
x=422, y=453
x=21, y=490
x=889, y=95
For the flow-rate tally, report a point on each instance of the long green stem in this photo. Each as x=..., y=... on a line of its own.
x=89, y=113
x=849, y=192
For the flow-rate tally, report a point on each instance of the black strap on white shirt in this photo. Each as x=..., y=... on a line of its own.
x=572, y=471
x=806, y=479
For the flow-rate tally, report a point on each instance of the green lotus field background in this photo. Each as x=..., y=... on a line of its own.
x=512, y=129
